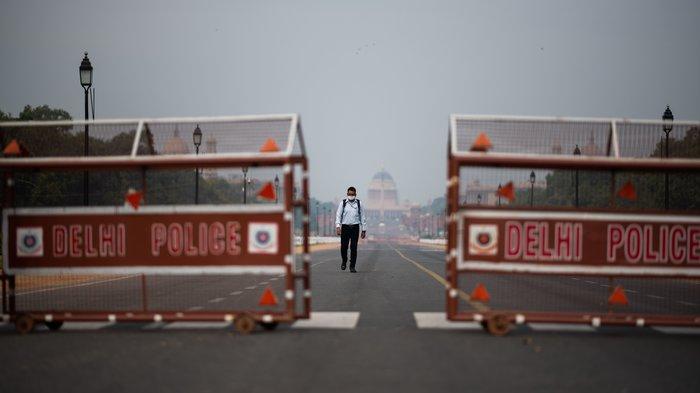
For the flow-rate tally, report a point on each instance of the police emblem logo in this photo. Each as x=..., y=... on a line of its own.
x=483, y=239
x=262, y=238
x=30, y=242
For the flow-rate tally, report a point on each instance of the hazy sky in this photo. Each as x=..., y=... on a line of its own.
x=374, y=81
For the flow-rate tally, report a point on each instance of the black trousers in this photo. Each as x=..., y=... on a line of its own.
x=349, y=234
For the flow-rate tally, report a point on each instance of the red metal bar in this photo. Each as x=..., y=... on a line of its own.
x=618, y=319
x=307, y=250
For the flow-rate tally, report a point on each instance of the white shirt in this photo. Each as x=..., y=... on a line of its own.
x=351, y=215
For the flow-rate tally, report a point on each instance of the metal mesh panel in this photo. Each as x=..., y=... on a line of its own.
x=147, y=292
x=643, y=140
x=218, y=136
x=67, y=139
x=581, y=294
x=66, y=188
x=536, y=136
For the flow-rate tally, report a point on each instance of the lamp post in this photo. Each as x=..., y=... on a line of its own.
x=245, y=185
x=498, y=193
x=197, y=140
x=277, y=189
x=478, y=199
x=577, y=152
x=532, y=188
x=85, y=72
x=668, y=126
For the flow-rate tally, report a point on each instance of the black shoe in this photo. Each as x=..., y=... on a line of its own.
x=352, y=270
x=342, y=266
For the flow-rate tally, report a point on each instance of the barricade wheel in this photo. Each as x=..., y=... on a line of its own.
x=54, y=325
x=498, y=325
x=269, y=325
x=24, y=324
x=244, y=323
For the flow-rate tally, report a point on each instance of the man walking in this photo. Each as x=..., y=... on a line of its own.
x=348, y=220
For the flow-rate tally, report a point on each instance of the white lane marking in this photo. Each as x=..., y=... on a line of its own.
x=274, y=278
x=235, y=293
x=676, y=329
x=574, y=278
x=85, y=325
x=83, y=284
x=195, y=308
x=328, y=320
x=263, y=283
x=591, y=282
x=687, y=303
x=608, y=286
x=561, y=327
x=631, y=291
x=251, y=287
x=216, y=300
x=655, y=297
x=438, y=320
x=196, y=325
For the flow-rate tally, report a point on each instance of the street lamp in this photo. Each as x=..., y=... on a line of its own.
x=85, y=72
x=532, y=188
x=197, y=140
x=668, y=126
x=498, y=193
x=245, y=184
x=277, y=189
x=478, y=199
x=577, y=152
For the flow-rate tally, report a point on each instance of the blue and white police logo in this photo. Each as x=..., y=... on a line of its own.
x=30, y=242
x=262, y=238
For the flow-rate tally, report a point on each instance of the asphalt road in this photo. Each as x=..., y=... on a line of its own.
x=384, y=351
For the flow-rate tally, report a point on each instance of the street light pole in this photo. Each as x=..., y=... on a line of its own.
x=245, y=184
x=668, y=126
x=532, y=188
x=85, y=72
x=478, y=199
x=577, y=152
x=499, y=193
x=317, y=226
x=197, y=140
x=277, y=189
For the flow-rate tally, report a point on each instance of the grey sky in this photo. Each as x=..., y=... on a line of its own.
x=387, y=105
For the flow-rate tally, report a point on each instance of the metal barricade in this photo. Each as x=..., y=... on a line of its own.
x=149, y=228
x=590, y=221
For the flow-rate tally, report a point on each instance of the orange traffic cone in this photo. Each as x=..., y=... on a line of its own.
x=480, y=294
x=628, y=192
x=270, y=146
x=267, y=192
x=481, y=143
x=507, y=191
x=134, y=198
x=618, y=297
x=268, y=298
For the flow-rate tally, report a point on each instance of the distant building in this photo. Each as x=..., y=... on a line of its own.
x=175, y=145
x=385, y=215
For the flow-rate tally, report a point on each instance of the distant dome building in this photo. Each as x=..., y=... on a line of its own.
x=175, y=145
x=384, y=213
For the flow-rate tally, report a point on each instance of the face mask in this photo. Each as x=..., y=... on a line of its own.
x=351, y=197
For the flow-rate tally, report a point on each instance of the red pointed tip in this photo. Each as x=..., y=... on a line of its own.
x=481, y=143
x=134, y=198
x=480, y=294
x=270, y=146
x=268, y=298
x=268, y=192
x=618, y=297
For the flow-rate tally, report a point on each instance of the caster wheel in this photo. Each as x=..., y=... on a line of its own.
x=244, y=324
x=498, y=325
x=54, y=325
x=24, y=324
